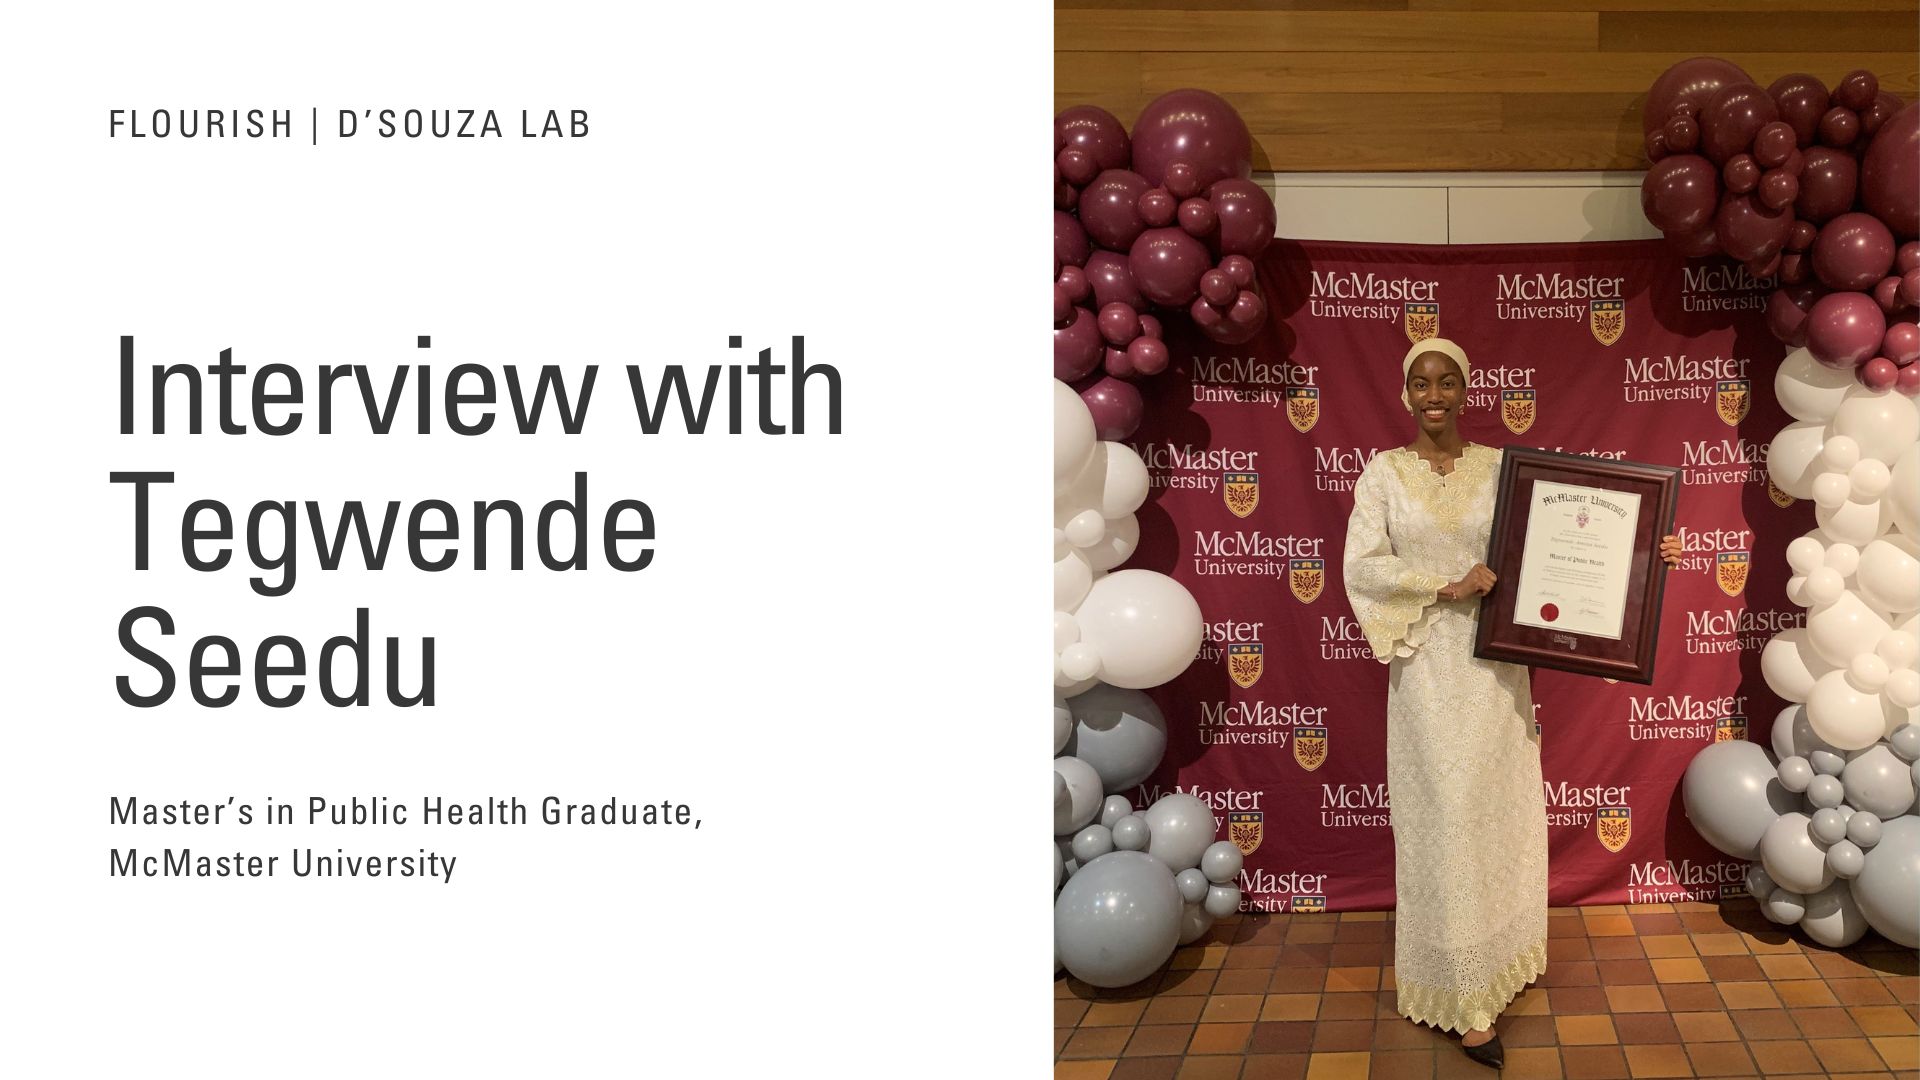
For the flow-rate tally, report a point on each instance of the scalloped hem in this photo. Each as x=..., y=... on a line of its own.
x=1411, y=626
x=1450, y=1011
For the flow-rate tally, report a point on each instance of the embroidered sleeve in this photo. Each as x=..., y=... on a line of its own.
x=1388, y=596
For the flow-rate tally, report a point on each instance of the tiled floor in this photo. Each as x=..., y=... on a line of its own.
x=1657, y=990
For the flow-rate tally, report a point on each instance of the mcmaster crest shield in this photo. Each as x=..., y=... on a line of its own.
x=1240, y=491
x=1303, y=407
x=1607, y=319
x=1732, y=400
x=1306, y=577
x=1730, y=571
x=1614, y=825
x=1421, y=321
x=1245, y=828
x=1730, y=729
x=1245, y=660
x=1309, y=905
x=1310, y=747
x=1516, y=410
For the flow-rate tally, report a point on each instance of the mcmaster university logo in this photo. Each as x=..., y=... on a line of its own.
x=1310, y=747
x=1245, y=661
x=1730, y=729
x=1240, y=491
x=1732, y=399
x=1303, y=407
x=1420, y=321
x=1607, y=319
x=1517, y=410
x=1246, y=828
x=1730, y=571
x=1614, y=826
x=1306, y=577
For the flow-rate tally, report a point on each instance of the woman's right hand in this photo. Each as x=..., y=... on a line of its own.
x=1478, y=581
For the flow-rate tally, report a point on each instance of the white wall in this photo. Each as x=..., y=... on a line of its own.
x=1459, y=208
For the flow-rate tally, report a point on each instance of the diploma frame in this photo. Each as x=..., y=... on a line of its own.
x=1628, y=659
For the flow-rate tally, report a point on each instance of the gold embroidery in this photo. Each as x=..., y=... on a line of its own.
x=1452, y=1010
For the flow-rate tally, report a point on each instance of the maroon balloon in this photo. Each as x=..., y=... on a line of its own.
x=1803, y=235
x=1196, y=127
x=1856, y=90
x=1887, y=295
x=1907, y=257
x=1795, y=164
x=1696, y=244
x=1077, y=166
x=1246, y=217
x=1793, y=268
x=1110, y=208
x=1656, y=143
x=1828, y=184
x=1248, y=309
x=1119, y=324
x=1741, y=173
x=1205, y=315
x=1764, y=267
x=1902, y=343
x=1239, y=268
x=1167, y=264
x=1682, y=134
x=1749, y=229
x=1217, y=288
x=1074, y=281
x=1890, y=173
x=1157, y=208
x=1119, y=364
x=1844, y=329
x=1197, y=218
x=1772, y=144
x=1680, y=193
x=1877, y=114
x=1077, y=347
x=1732, y=117
x=1839, y=127
x=1182, y=180
x=1687, y=83
x=1070, y=245
x=1062, y=307
x=1879, y=374
x=1149, y=355
x=1909, y=291
x=1116, y=408
x=1112, y=281
x=1802, y=100
x=1096, y=132
x=1065, y=196
x=1778, y=189
x=1787, y=313
x=1854, y=251
x=1908, y=381
x=1149, y=327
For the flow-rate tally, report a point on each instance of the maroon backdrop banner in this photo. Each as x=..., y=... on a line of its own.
x=1621, y=350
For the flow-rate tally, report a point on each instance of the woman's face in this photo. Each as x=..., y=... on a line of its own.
x=1436, y=388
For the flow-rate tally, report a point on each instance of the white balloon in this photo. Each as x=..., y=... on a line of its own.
x=1856, y=523
x=1117, y=546
x=1903, y=689
x=1792, y=457
x=1072, y=577
x=1790, y=665
x=1830, y=490
x=1844, y=715
x=1074, y=690
x=1073, y=433
x=1868, y=479
x=1086, y=529
x=1844, y=558
x=1884, y=425
x=1840, y=453
x=1903, y=491
x=1900, y=649
x=1126, y=482
x=1080, y=661
x=1066, y=631
x=1868, y=673
x=1889, y=574
x=1842, y=629
x=1145, y=625
x=1808, y=389
x=1797, y=591
x=1823, y=586
x=1806, y=554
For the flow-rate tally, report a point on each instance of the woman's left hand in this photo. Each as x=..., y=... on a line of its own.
x=1670, y=550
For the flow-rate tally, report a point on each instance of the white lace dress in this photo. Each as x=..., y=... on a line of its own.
x=1463, y=762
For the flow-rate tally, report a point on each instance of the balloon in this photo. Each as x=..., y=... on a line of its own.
x=1888, y=888
x=1791, y=857
x=1902, y=343
x=1119, y=732
x=1117, y=919
x=1741, y=173
x=1732, y=795
x=1839, y=127
x=1239, y=270
x=1795, y=774
x=1246, y=217
x=1802, y=100
x=1879, y=783
x=1115, y=406
x=1903, y=493
x=1122, y=539
x=1784, y=906
x=1070, y=246
x=1854, y=251
x=1826, y=792
x=1688, y=83
x=1076, y=346
x=1221, y=862
x=1883, y=425
x=1073, y=434
x=1192, y=885
x=1197, y=217
x=1827, y=184
x=1092, y=842
x=1778, y=189
x=1111, y=281
x=1059, y=875
x=1076, y=166
x=1119, y=324
x=1790, y=665
x=1787, y=318
x=1196, y=127
x=1180, y=828
x=1845, y=328
x=1167, y=264
x=1749, y=229
x=1110, y=208
x=1682, y=134
x=1130, y=833
x=1856, y=89
x=1146, y=627
x=1890, y=173
x=1845, y=717
x=1095, y=132
x=1889, y=574
x=1148, y=355
x=1222, y=900
x=1863, y=829
x=1759, y=885
x=1072, y=577
x=1115, y=808
x=1845, y=858
x=1732, y=117
x=1217, y=288
x=1194, y=923
x=1083, y=792
x=1679, y=193
x=1829, y=826
x=1793, y=456
x=1877, y=114
x=1794, y=737
x=1832, y=918
x=1073, y=281
x=1158, y=208
x=1062, y=722
x=1805, y=388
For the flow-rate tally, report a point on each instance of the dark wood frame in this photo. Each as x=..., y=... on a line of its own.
x=1629, y=659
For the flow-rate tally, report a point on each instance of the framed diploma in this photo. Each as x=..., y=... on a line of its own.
x=1576, y=549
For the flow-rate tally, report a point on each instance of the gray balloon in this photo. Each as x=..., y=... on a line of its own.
x=1192, y=885
x=1879, y=782
x=1828, y=826
x=1863, y=828
x=1221, y=862
x=1222, y=900
x=1905, y=742
x=1180, y=827
x=1194, y=923
x=1784, y=907
x=1119, y=732
x=1130, y=833
x=1062, y=726
x=1732, y=795
x=1826, y=764
x=1083, y=795
x=1916, y=774
x=1059, y=874
x=1759, y=885
x=1115, y=808
x=1092, y=842
x=1832, y=918
x=1792, y=859
x=1826, y=791
x=1845, y=860
x=1888, y=888
x=1118, y=919
x=1794, y=772
x=1793, y=735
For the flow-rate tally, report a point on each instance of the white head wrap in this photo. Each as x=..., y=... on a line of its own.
x=1431, y=345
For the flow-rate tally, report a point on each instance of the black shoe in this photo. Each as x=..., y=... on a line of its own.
x=1489, y=1053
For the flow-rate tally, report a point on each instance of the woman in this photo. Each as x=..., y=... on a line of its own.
x=1463, y=762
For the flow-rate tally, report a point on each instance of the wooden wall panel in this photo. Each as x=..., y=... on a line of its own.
x=1456, y=85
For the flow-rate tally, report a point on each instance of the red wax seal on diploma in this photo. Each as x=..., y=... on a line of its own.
x=1549, y=612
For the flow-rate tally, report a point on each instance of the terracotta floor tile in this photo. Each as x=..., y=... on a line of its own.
x=1097, y=1043
x=1532, y=1063
x=1870, y=1076
x=1352, y=978
x=1626, y=972
x=1782, y=968
x=1605, y=909
x=1635, y=999
x=1082, y=1070
x=1845, y=1055
x=1574, y=1000
x=1564, y=926
x=1861, y=992
x=1401, y=1065
x=1674, y=944
x=1532, y=1001
x=1561, y=950
x=1578, y=973
x=1341, y=1036
x=1283, y=1037
x=1291, y=1007
x=1643, y=909
x=1349, y=933
x=1156, y=1040
x=1705, y=922
x=1366, y=916
x=1658, y=1061
x=1593, y=1062
x=1805, y=994
x=1742, y=968
x=1617, y=948
x=1749, y=995
x=1719, y=945
x=1903, y=988
x=1451, y=1064
x=1343, y=1066
x=1233, y=1008
x=1692, y=997
x=1189, y=981
x=1242, y=981
x=1068, y=1011
x=1060, y=1037
x=1252, y=956
x=1768, y=942
x=1220, y=1038
x=1679, y=969
x=1208, y=956
x=1114, y=1013
x=1608, y=925
x=1759, y=1024
x=1720, y=1059
x=1371, y=954
x=1782, y=1057
x=1528, y=1031
x=1699, y=1027
x=1585, y=1030
x=1310, y=932
x=1825, y=1023
x=1836, y=965
x=1154, y=1068
x=1645, y=1029
x=1406, y=1035
x=1663, y=923
x=1350, y=1007
x=1211, y=1067
x=1899, y=1051
x=1386, y=1005
x=1265, y=930
x=1173, y=1010
x=1694, y=905
x=1882, y=1019
x=1274, y=1067
x=1306, y=954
